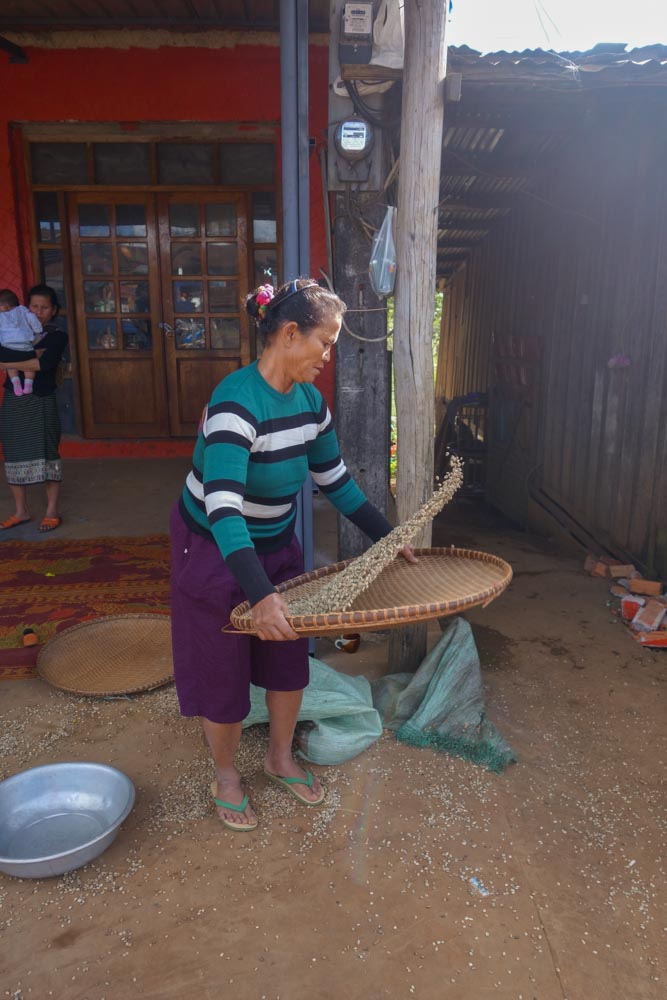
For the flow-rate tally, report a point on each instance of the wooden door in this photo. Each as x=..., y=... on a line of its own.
x=203, y=255
x=115, y=268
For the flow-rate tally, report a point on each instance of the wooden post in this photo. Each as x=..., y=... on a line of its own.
x=416, y=255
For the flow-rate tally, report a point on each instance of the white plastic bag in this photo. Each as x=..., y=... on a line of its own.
x=382, y=267
x=388, y=35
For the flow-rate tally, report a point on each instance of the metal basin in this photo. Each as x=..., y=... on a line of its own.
x=59, y=817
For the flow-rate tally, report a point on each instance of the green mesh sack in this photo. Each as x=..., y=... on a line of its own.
x=442, y=704
x=337, y=718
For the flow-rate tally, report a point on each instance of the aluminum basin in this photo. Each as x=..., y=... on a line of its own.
x=59, y=817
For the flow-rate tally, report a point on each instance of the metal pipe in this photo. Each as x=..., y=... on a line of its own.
x=296, y=187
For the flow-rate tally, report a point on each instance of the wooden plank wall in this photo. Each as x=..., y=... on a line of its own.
x=583, y=265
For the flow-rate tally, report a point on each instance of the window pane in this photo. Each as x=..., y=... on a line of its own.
x=264, y=226
x=184, y=163
x=134, y=297
x=190, y=333
x=266, y=268
x=246, y=164
x=188, y=297
x=223, y=258
x=94, y=220
x=102, y=334
x=184, y=220
x=59, y=162
x=130, y=220
x=51, y=273
x=136, y=335
x=96, y=258
x=225, y=335
x=99, y=296
x=186, y=258
x=223, y=296
x=46, y=217
x=220, y=220
x=133, y=258
x=122, y=163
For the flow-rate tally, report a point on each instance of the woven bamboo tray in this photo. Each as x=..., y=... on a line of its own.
x=119, y=654
x=443, y=582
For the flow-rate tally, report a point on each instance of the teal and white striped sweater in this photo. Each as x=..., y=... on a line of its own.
x=253, y=455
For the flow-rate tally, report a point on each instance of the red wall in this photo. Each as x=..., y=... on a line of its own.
x=239, y=84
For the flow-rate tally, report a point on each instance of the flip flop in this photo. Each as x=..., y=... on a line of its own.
x=13, y=522
x=237, y=827
x=289, y=783
x=49, y=523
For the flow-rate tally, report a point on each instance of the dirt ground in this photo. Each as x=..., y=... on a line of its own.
x=370, y=896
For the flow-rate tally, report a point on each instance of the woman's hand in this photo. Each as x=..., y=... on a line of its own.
x=268, y=617
x=408, y=554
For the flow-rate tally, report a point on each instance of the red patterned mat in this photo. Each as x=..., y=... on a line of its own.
x=51, y=584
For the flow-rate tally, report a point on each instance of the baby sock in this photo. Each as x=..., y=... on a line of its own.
x=16, y=382
x=27, y=386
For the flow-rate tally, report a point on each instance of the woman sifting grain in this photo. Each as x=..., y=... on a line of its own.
x=265, y=429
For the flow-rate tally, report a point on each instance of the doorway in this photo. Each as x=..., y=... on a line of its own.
x=159, y=280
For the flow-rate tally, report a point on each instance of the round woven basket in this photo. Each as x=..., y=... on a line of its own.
x=119, y=654
x=443, y=582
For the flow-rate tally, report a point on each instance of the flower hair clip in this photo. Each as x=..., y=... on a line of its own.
x=263, y=298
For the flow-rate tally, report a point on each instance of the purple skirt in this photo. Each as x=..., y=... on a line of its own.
x=214, y=670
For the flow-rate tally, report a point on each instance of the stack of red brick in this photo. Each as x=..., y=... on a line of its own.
x=643, y=603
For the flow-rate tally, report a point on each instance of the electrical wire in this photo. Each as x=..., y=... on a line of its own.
x=357, y=336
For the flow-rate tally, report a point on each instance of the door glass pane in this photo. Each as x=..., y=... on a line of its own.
x=99, y=296
x=223, y=258
x=94, y=220
x=102, y=334
x=186, y=258
x=59, y=162
x=246, y=164
x=134, y=297
x=188, y=297
x=130, y=220
x=52, y=273
x=184, y=163
x=220, y=220
x=225, y=335
x=184, y=220
x=122, y=163
x=190, y=334
x=96, y=258
x=223, y=296
x=133, y=258
x=266, y=268
x=136, y=334
x=46, y=217
x=264, y=225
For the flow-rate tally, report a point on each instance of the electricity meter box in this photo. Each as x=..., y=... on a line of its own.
x=356, y=34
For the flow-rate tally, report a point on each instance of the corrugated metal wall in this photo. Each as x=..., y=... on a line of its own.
x=582, y=265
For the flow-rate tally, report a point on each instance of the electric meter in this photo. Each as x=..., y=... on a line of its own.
x=356, y=36
x=353, y=139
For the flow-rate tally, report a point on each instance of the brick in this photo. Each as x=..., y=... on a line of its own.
x=654, y=640
x=648, y=618
x=630, y=606
x=653, y=588
x=616, y=572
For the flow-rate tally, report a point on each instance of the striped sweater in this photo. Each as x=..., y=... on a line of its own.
x=253, y=454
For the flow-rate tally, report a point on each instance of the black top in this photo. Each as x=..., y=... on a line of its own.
x=53, y=343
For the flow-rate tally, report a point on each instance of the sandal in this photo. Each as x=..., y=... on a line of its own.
x=13, y=522
x=237, y=827
x=288, y=785
x=49, y=523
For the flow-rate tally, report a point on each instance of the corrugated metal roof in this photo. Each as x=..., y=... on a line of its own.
x=516, y=111
x=608, y=62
